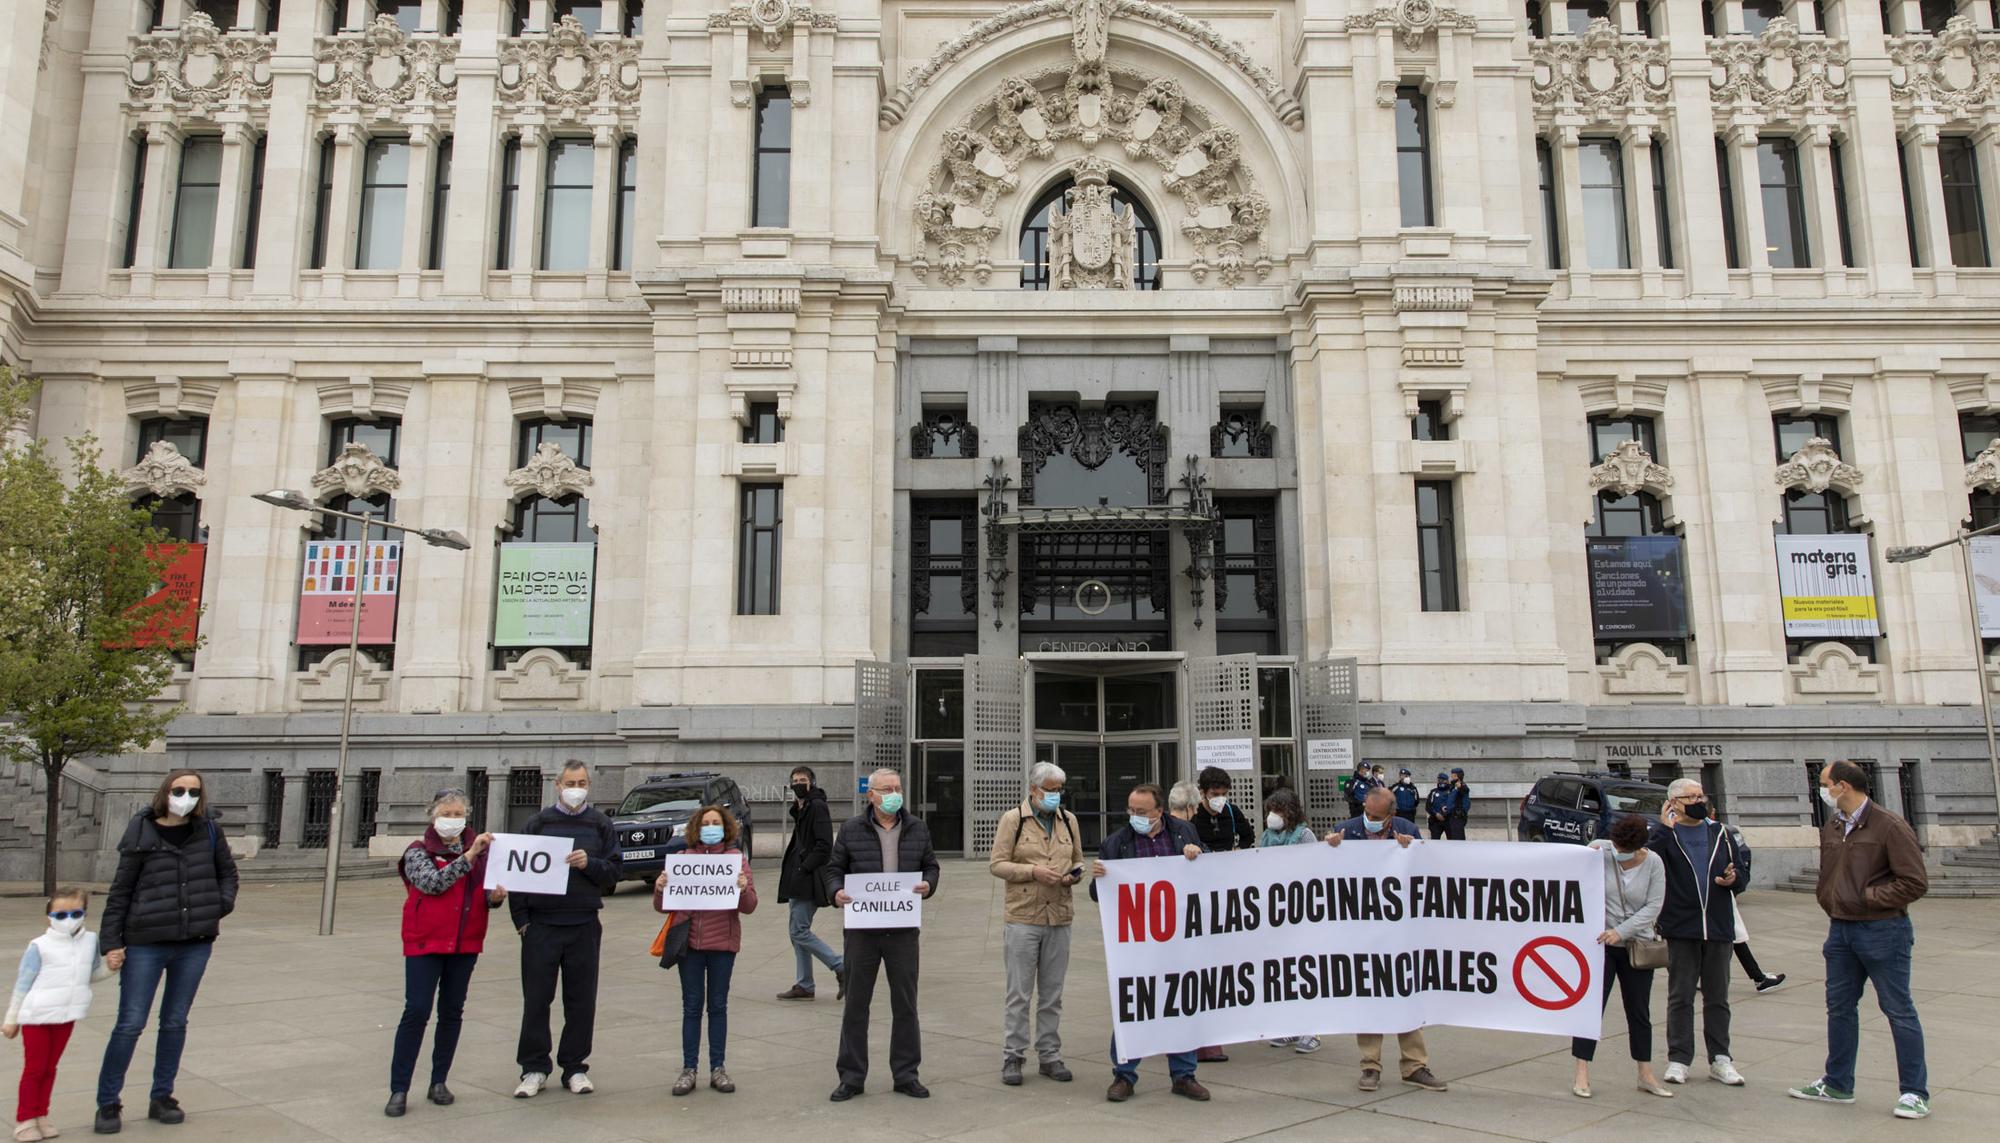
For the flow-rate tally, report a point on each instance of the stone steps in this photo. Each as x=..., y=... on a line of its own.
x=310, y=865
x=1945, y=881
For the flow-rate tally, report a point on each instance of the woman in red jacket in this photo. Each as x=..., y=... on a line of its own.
x=444, y=927
x=713, y=943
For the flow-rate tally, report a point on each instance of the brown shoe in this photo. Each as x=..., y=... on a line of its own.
x=796, y=993
x=1423, y=1078
x=1191, y=1087
x=1371, y=1078
x=1211, y=1056
x=1119, y=1091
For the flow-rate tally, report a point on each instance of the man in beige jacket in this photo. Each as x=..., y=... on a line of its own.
x=1038, y=853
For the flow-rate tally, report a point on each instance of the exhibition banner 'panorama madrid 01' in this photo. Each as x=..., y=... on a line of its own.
x=1364, y=937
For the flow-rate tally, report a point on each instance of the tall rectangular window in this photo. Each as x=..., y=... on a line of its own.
x=635, y=18
x=1582, y=12
x=944, y=577
x=1758, y=14
x=566, y=205
x=1413, y=156
x=628, y=200
x=589, y=13
x=510, y=197
x=194, y=204
x=1838, y=156
x=1429, y=423
x=757, y=558
x=1964, y=217
x=440, y=205
x=323, y=203
x=385, y=185
x=771, y=192
x=408, y=13
x=1731, y=250
x=1784, y=201
x=252, y=222
x=1663, y=219
x=1602, y=170
x=135, y=203
x=1437, y=546
x=1545, y=165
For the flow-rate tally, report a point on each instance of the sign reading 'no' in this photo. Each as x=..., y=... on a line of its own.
x=528, y=863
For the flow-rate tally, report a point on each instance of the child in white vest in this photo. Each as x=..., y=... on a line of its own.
x=50, y=996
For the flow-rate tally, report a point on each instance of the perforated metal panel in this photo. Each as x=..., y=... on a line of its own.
x=993, y=742
x=881, y=720
x=1222, y=703
x=1329, y=707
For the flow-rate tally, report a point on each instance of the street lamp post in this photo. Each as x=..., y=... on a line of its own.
x=1963, y=541
x=436, y=537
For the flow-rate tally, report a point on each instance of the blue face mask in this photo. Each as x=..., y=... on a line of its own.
x=711, y=834
x=1051, y=802
x=1373, y=826
x=1143, y=826
x=891, y=803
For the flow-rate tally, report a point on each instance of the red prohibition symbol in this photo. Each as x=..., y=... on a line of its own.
x=1575, y=968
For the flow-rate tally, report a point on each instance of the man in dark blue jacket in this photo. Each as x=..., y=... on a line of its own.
x=1461, y=805
x=1150, y=832
x=560, y=935
x=1438, y=804
x=1405, y=790
x=1706, y=868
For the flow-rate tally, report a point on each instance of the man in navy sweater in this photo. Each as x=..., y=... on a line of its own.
x=560, y=935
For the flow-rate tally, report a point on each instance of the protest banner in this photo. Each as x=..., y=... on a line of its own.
x=529, y=863
x=883, y=901
x=702, y=880
x=1312, y=940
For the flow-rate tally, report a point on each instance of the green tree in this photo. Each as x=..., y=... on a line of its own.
x=78, y=564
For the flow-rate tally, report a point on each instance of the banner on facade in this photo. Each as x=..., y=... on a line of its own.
x=1985, y=553
x=702, y=881
x=176, y=619
x=545, y=595
x=1637, y=590
x=1827, y=586
x=326, y=591
x=1309, y=940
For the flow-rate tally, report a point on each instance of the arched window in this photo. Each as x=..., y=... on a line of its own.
x=1035, y=237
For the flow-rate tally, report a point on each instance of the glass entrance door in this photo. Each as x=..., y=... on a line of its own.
x=1100, y=774
x=937, y=793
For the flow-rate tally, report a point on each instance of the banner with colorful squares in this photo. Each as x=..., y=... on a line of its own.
x=326, y=591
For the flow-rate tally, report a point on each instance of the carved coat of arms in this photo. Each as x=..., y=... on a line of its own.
x=1093, y=241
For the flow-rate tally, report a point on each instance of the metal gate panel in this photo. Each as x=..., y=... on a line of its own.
x=994, y=733
x=881, y=720
x=1330, y=709
x=1222, y=703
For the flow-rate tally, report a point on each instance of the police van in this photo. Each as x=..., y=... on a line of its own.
x=1579, y=807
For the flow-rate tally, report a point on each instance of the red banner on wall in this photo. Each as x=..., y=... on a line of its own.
x=326, y=591
x=177, y=622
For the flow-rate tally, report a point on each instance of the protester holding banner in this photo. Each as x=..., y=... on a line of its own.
x=560, y=937
x=445, y=903
x=1871, y=871
x=1149, y=832
x=884, y=838
x=1635, y=888
x=714, y=939
x=1285, y=824
x=803, y=889
x=1222, y=826
x=1438, y=804
x=1704, y=873
x=1038, y=852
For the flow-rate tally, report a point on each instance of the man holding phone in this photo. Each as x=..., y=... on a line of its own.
x=1706, y=868
x=1039, y=854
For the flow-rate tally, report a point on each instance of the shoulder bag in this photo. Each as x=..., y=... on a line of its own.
x=671, y=944
x=1645, y=952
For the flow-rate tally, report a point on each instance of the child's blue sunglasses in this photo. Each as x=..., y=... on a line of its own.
x=67, y=914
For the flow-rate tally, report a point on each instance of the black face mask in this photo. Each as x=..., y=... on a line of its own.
x=801, y=789
x=1695, y=811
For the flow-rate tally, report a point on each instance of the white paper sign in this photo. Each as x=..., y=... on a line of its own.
x=1329, y=753
x=1986, y=583
x=1310, y=940
x=529, y=863
x=1225, y=753
x=702, y=881
x=883, y=901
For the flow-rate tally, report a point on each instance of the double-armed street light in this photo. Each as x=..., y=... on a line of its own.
x=1910, y=553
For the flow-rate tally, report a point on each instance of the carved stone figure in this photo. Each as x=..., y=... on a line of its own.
x=549, y=474
x=1630, y=470
x=357, y=472
x=164, y=472
x=1816, y=468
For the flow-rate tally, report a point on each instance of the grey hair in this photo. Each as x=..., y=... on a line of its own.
x=1184, y=796
x=1042, y=771
x=448, y=795
x=1679, y=787
x=876, y=776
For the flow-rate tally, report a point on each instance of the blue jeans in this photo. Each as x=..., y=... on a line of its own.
x=181, y=964
x=1858, y=952
x=1180, y=1065
x=445, y=976
x=705, y=971
x=806, y=944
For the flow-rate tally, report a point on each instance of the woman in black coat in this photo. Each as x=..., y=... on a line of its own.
x=175, y=882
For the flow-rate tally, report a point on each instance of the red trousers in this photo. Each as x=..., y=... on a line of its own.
x=42, y=1045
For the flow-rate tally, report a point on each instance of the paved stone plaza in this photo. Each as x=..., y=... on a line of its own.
x=290, y=1041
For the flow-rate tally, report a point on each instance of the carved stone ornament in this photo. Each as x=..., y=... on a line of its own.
x=326, y=680
x=1832, y=672
x=1630, y=470
x=1780, y=74
x=1092, y=105
x=569, y=72
x=541, y=675
x=51, y=21
x=1093, y=245
x=1602, y=76
x=1642, y=672
x=197, y=71
x=164, y=472
x=1816, y=468
x=1413, y=21
x=1091, y=436
x=1983, y=473
x=771, y=19
x=385, y=70
x=358, y=473
x=1955, y=73
x=1096, y=16
x=548, y=474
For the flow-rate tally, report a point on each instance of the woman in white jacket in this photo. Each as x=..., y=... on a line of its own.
x=51, y=994
x=1635, y=888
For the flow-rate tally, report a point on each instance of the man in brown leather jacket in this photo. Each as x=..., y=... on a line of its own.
x=1870, y=871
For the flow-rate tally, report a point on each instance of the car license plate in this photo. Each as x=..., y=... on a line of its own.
x=639, y=854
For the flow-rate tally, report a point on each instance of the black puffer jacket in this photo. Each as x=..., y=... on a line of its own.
x=857, y=848
x=162, y=893
x=807, y=850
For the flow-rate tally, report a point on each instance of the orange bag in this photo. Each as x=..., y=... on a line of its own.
x=660, y=941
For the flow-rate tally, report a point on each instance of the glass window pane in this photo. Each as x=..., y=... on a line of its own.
x=774, y=122
x=1065, y=702
x=1413, y=157
x=774, y=190
x=589, y=13
x=1784, y=204
x=1958, y=168
x=194, y=205
x=1602, y=168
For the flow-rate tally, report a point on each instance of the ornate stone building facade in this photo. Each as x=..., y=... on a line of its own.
x=1132, y=385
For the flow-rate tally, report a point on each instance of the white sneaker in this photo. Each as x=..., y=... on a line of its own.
x=1722, y=1070
x=531, y=1085
x=1676, y=1073
x=579, y=1084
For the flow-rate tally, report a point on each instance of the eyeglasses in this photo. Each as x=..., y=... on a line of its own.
x=67, y=915
x=186, y=791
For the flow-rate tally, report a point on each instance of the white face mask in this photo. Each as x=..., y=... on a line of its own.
x=181, y=805
x=1216, y=803
x=1826, y=795
x=67, y=926
x=449, y=828
x=1275, y=821
x=575, y=796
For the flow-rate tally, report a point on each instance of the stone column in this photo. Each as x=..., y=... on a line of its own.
x=1732, y=558
x=93, y=242
x=1801, y=14
x=1626, y=15
x=471, y=229
x=432, y=17
x=444, y=590
x=172, y=12
x=1748, y=201
x=603, y=206
x=1815, y=145
x=349, y=142
x=417, y=208
x=1697, y=199
x=1555, y=18
x=1909, y=474
x=238, y=146
x=1377, y=189
x=1641, y=211
x=292, y=818
x=156, y=204
x=1569, y=201
x=538, y=16
x=252, y=15
x=995, y=406
x=527, y=251
x=1455, y=187
x=1729, y=17
x=1875, y=194
x=1920, y=144
x=359, y=14
x=1905, y=16
x=1982, y=14
x=657, y=105
x=291, y=162
x=813, y=134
